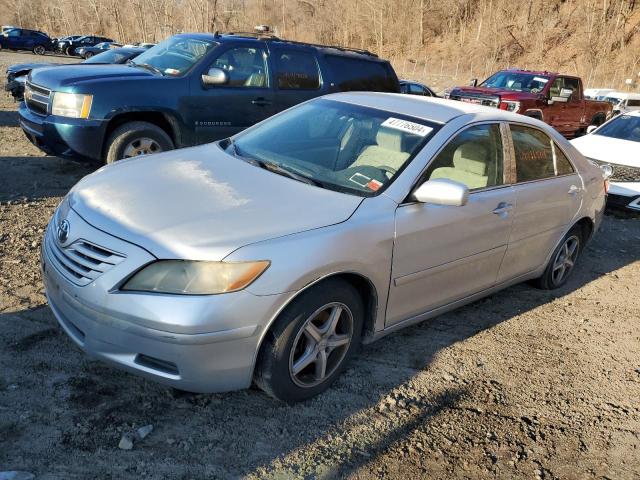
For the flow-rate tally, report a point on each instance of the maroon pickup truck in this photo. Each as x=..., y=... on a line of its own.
x=551, y=97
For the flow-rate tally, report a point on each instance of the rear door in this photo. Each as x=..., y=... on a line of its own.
x=446, y=253
x=296, y=75
x=548, y=193
x=248, y=98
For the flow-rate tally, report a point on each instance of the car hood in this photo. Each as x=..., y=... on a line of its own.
x=20, y=67
x=607, y=149
x=55, y=78
x=202, y=204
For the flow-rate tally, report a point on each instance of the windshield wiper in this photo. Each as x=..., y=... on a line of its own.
x=146, y=66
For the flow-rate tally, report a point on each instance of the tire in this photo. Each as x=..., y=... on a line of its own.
x=126, y=140
x=39, y=50
x=88, y=55
x=549, y=279
x=288, y=341
x=598, y=119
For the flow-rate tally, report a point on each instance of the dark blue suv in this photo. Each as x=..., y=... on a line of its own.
x=23, y=39
x=187, y=90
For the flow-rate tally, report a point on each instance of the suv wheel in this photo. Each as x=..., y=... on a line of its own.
x=136, y=138
x=562, y=261
x=311, y=342
x=39, y=49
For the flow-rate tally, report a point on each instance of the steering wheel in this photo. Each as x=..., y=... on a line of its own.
x=388, y=171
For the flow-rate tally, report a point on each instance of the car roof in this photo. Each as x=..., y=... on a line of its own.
x=433, y=109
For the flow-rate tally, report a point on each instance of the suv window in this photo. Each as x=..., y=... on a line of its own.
x=297, y=70
x=355, y=74
x=246, y=66
x=537, y=156
x=633, y=103
x=474, y=157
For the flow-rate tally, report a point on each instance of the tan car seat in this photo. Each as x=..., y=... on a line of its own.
x=469, y=166
x=386, y=153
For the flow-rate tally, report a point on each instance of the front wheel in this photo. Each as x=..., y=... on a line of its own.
x=88, y=55
x=562, y=261
x=133, y=139
x=39, y=49
x=311, y=342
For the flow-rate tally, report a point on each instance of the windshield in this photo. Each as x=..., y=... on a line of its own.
x=516, y=81
x=176, y=55
x=613, y=100
x=111, y=56
x=623, y=127
x=335, y=145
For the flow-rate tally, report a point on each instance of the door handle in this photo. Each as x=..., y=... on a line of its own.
x=261, y=102
x=503, y=209
x=573, y=190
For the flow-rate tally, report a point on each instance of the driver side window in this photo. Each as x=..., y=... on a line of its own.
x=245, y=66
x=474, y=157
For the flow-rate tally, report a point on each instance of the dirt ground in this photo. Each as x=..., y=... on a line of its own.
x=523, y=384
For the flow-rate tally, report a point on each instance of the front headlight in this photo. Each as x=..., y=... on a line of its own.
x=74, y=105
x=195, y=277
x=510, y=106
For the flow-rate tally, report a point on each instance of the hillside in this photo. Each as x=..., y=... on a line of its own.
x=442, y=43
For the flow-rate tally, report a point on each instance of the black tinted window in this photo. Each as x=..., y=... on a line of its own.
x=297, y=70
x=360, y=75
x=537, y=157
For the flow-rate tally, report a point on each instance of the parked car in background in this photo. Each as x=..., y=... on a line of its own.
x=617, y=143
x=187, y=90
x=551, y=97
x=17, y=74
x=141, y=45
x=623, y=102
x=269, y=257
x=23, y=39
x=62, y=42
x=88, y=52
x=597, y=93
x=70, y=46
x=415, y=88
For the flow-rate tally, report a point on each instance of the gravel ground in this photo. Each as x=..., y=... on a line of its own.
x=523, y=384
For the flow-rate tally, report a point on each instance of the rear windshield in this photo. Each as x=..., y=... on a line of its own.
x=624, y=127
x=354, y=74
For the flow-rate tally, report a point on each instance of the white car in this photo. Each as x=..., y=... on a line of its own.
x=617, y=143
x=623, y=102
x=597, y=93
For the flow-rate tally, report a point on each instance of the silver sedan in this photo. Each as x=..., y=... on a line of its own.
x=271, y=256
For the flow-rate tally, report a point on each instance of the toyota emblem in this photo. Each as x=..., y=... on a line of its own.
x=63, y=231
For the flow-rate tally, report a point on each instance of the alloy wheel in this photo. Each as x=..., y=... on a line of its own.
x=39, y=50
x=565, y=259
x=321, y=345
x=141, y=146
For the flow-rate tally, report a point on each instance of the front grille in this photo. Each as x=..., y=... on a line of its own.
x=477, y=99
x=37, y=98
x=622, y=173
x=81, y=262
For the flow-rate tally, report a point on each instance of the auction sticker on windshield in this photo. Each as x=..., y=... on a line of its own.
x=407, y=126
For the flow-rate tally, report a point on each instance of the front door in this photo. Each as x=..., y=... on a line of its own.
x=548, y=192
x=247, y=98
x=445, y=253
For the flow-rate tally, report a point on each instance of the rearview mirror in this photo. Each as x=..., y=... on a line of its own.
x=215, y=76
x=591, y=128
x=474, y=82
x=442, y=191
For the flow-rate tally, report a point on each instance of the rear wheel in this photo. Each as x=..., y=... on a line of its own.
x=133, y=139
x=311, y=342
x=88, y=55
x=562, y=261
x=39, y=49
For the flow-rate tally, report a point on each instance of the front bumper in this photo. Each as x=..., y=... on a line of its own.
x=202, y=344
x=62, y=136
x=624, y=195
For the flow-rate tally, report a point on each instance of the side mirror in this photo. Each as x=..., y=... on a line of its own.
x=591, y=128
x=474, y=82
x=442, y=191
x=215, y=76
x=565, y=94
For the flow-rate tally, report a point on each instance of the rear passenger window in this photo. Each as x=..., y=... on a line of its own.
x=297, y=71
x=473, y=158
x=351, y=74
x=537, y=156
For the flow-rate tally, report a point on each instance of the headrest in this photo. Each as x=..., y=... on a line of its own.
x=389, y=139
x=471, y=157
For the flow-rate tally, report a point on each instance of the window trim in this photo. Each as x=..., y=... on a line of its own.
x=506, y=159
x=274, y=57
x=513, y=154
